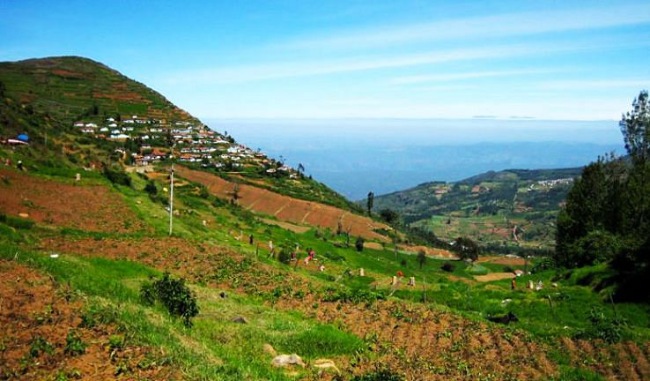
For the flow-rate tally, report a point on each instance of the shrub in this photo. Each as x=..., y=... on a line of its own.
x=174, y=295
x=603, y=327
x=284, y=256
x=118, y=177
x=73, y=344
x=151, y=188
x=448, y=267
x=359, y=244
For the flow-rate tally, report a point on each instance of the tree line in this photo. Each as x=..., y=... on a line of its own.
x=606, y=218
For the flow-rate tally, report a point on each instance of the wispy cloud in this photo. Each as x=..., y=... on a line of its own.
x=320, y=67
x=640, y=83
x=383, y=60
x=496, y=26
x=416, y=79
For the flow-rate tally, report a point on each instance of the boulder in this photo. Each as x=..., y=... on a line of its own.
x=283, y=361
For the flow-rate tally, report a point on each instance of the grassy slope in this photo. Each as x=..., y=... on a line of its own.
x=67, y=88
x=213, y=348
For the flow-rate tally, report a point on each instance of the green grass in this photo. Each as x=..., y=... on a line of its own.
x=213, y=347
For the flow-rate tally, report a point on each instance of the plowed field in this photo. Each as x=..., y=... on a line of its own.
x=36, y=317
x=286, y=208
x=420, y=342
x=91, y=208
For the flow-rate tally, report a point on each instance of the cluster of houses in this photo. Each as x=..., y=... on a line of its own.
x=550, y=184
x=192, y=144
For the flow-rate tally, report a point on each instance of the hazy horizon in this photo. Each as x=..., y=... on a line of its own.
x=355, y=156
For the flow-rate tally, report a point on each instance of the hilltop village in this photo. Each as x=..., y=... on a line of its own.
x=147, y=140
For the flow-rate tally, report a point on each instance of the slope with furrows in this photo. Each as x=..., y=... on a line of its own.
x=285, y=208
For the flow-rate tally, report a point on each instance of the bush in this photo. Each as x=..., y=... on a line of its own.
x=609, y=329
x=118, y=177
x=284, y=256
x=174, y=295
x=448, y=267
x=359, y=244
x=151, y=188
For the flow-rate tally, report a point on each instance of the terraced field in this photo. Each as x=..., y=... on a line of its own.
x=286, y=208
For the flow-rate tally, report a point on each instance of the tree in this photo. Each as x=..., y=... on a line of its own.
x=635, y=126
x=389, y=216
x=466, y=248
x=422, y=258
x=371, y=202
x=594, y=204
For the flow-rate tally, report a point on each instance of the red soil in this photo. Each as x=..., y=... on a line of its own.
x=91, y=208
x=34, y=308
x=286, y=208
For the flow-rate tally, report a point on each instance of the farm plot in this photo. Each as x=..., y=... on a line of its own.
x=92, y=208
x=43, y=335
x=286, y=208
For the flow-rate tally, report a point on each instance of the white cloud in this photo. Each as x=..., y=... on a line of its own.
x=415, y=79
x=289, y=69
x=497, y=26
x=638, y=84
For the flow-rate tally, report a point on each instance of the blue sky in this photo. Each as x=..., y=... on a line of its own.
x=564, y=60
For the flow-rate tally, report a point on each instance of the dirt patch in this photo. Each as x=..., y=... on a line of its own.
x=431, y=252
x=502, y=260
x=373, y=245
x=286, y=208
x=37, y=315
x=91, y=208
x=493, y=276
x=287, y=226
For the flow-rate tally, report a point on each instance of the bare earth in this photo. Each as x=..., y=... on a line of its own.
x=288, y=209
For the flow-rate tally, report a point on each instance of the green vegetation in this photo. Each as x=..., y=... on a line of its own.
x=607, y=213
x=246, y=302
x=174, y=295
x=512, y=211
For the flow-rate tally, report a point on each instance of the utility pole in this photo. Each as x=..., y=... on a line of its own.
x=171, y=197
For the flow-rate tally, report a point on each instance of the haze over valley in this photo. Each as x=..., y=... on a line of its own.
x=355, y=156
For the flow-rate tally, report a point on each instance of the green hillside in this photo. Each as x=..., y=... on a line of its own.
x=71, y=88
x=80, y=113
x=489, y=208
x=103, y=275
